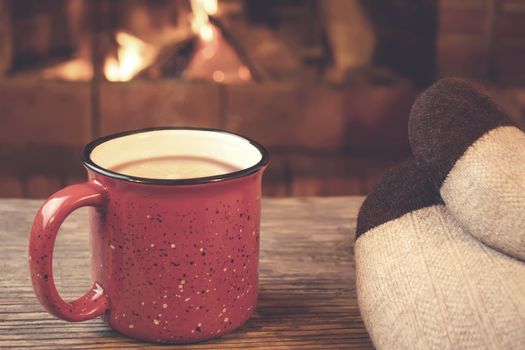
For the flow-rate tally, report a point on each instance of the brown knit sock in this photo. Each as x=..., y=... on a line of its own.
x=477, y=159
x=425, y=283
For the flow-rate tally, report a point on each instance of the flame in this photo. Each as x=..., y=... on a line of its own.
x=206, y=63
x=210, y=6
x=218, y=76
x=206, y=33
x=244, y=73
x=133, y=55
x=77, y=69
x=200, y=23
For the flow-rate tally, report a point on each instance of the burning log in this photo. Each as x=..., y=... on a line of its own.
x=260, y=48
x=350, y=35
x=172, y=60
x=256, y=72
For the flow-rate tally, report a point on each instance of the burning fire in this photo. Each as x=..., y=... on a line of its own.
x=133, y=55
x=78, y=69
x=213, y=58
x=200, y=23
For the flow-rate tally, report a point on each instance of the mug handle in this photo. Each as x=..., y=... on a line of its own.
x=42, y=241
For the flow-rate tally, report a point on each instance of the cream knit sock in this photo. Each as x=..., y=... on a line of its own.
x=477, y=159
x=425, y=283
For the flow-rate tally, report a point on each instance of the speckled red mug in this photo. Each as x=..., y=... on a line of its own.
x=173, y=260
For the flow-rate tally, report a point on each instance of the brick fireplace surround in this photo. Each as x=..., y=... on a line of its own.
x=325, y=138
x=307, y=128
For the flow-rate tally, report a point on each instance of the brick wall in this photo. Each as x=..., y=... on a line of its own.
x=323, y=139
x=482, y=39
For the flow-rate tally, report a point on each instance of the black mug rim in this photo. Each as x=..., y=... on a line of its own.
x=90, y=164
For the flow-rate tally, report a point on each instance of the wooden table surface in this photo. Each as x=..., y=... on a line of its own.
x=307, y=297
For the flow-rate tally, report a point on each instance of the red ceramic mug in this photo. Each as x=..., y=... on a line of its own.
x=173, y=260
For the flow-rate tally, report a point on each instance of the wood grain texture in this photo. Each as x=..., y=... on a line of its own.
x=307, y=297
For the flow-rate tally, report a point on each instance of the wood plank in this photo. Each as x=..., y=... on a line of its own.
x=307, y=297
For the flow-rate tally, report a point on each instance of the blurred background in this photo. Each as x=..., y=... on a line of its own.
x=325, y=85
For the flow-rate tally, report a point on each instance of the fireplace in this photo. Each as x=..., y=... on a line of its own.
x=326, y=85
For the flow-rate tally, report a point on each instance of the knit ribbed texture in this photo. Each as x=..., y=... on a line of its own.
x=477, y=161
x=402, y=190
x=448, y=271
x=485, y=190
x=446, y=119
x=424, y=283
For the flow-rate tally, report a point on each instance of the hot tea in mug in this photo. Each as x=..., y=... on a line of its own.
x=174, y=232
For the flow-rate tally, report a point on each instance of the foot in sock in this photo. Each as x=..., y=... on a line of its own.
x=477, y=158
x=425, y=283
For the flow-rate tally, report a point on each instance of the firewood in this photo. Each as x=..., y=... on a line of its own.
x=350, y=35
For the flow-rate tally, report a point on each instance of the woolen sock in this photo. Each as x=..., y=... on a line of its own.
x=477, y=158
x=423, y=282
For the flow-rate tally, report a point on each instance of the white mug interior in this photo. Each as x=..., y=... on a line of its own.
x=221, y=146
